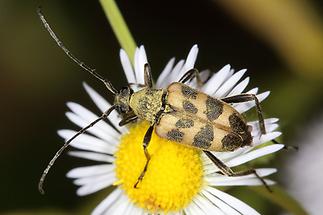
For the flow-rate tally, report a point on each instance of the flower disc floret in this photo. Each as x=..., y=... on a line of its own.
x=174, y=175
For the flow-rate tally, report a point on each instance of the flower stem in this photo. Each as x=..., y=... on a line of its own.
x=119, y=27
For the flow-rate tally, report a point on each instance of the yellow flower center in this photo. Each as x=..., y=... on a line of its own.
x=174, y=174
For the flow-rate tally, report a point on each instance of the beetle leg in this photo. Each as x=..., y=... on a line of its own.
x=252, y=171
x=229, y=172
x=245, y=98
x=189, y=75
x=146, y=141
x=148, y=76
x=285, y=146
x=135, y=84
x=128, y=119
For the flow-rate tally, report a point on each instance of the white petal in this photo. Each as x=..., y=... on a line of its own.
x=237, y=181
x=252, y=91
x=269, y=128
x=239, y=88
x=87, y=115
x=95, y=186
x=87, y=142
x=174, y=76
x=87, y=171
x=224, y=156
x=216, y=80
x=229, y=84
x=133, y=210
x=130, y=208
x=207, y=206
x=94, y=179
x=254, y=154
x=243, y=182
x=195, y=209
x=223, y=207
x=119, y=207
x=127, y=67
x=231, y=203
x=95, y=130
x=140, y=61
x=165, y=73
x=245, y=106
x=192, y=209
x=93, y=156
x=267, y=121
x=99, y=101
x=217, y=179
x=265, y=138
x=190, y=60
x=103, y=105
x=137, y=211
x=205, y=74
x=107, y=202
x=136, y=65
x=191, y=57
x=187, y=211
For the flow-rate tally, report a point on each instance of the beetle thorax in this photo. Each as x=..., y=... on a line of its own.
x=147, y=103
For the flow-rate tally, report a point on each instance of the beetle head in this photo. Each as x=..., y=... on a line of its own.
x=122, y=99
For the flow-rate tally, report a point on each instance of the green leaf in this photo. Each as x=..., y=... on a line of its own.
x=119, y=27
x=281, y=198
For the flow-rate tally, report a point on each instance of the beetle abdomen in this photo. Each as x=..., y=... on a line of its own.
x=201, y=121
x=194, y=132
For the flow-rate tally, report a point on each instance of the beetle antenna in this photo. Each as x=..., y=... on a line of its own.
x=66, y=144
x=71, y=56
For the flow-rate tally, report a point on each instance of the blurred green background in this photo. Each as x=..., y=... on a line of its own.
x=279, y=42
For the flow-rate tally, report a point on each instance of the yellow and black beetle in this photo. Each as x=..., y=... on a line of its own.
x=178, y=113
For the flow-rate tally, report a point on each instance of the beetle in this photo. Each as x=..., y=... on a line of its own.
x=178, y=113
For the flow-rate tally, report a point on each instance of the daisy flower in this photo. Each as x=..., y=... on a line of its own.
x=179, y=179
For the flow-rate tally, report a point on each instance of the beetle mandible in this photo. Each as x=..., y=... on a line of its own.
x=178, y=113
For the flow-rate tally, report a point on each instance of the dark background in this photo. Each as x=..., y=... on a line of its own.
x=37, y=79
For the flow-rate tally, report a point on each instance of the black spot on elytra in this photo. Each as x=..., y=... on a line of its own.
x=189, y=107
x=241, y=128
x=231, y=142
x=203, y=139
x=175, y=135
x=214, y=108
x=189, y=92
x=236, y=123
x=184, y=123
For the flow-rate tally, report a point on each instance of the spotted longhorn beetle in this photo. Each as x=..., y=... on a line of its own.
x=178, y=113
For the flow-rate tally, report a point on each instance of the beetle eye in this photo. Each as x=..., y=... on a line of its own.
x=122, y=108
x=125, y=91
x=118, y=108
